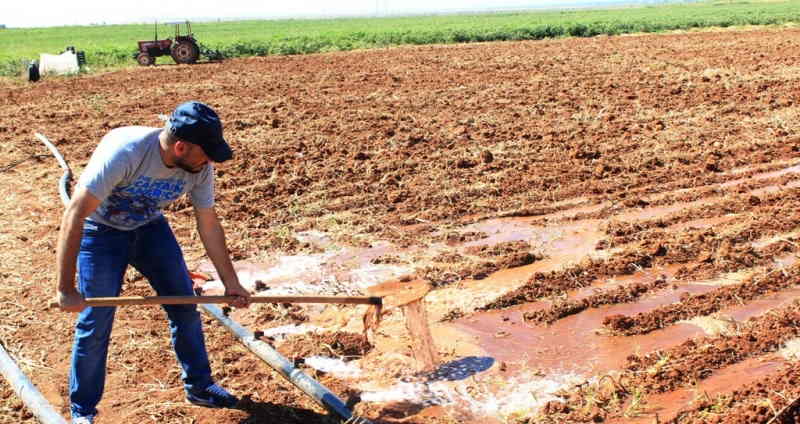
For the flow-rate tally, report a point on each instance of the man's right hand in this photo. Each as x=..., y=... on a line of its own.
x=70, y=301
x=82, y=204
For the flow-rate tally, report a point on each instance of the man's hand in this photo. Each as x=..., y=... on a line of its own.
x=242, y=295
x=70, y=301
x=69, y=243
x=213, y=238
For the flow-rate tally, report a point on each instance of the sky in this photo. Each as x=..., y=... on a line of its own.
x=38, y=13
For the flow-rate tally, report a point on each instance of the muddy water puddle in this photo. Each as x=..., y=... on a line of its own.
x=340, y=271
x=579, y=344
x=561, y=246
x=564, y=242
x=763, y=305
x=644, y=276
x=606, y=285
x=668, y=405
x=575, y=344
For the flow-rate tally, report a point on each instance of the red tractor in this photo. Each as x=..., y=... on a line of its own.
x=183, y=49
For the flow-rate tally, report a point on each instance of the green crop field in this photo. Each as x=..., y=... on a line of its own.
x=113, y=45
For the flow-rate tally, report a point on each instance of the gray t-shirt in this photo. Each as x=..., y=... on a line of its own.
x=127, y=174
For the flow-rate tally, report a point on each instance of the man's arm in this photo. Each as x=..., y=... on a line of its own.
x=82, y=205
x=213, y=237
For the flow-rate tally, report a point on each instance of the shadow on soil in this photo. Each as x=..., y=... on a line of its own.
x=461, y=368
x=266, y=412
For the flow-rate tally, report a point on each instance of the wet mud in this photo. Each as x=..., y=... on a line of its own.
x=339, y=344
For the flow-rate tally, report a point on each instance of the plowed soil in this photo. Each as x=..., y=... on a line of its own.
x=610, y=226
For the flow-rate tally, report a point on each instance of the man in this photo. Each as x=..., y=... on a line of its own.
x=114, y=219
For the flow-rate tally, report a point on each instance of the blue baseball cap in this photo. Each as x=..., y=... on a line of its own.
x=198, y=124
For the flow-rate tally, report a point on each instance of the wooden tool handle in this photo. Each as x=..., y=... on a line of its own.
x=195, y=300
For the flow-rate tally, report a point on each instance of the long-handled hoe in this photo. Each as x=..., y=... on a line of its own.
x=407, y=295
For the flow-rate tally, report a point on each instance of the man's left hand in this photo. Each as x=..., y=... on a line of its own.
x=242, y=295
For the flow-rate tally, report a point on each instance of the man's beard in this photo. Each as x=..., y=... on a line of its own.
x=180, y=163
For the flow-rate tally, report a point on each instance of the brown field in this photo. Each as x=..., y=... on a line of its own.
x=611, y=227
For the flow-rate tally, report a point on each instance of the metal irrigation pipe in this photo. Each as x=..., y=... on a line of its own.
x=311, y=387
x=24, y=388
x=308, y=385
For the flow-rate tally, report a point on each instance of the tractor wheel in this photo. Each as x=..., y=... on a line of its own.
x=145, y=59
x=185, y=52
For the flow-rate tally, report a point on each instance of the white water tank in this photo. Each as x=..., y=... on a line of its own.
x=64, y=63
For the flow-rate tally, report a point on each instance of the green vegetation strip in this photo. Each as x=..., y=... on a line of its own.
x=113, y=45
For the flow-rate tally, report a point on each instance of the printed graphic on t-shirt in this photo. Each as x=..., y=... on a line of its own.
x=139, y=201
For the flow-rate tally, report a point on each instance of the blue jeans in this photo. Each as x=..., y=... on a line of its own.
x=104, y=256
